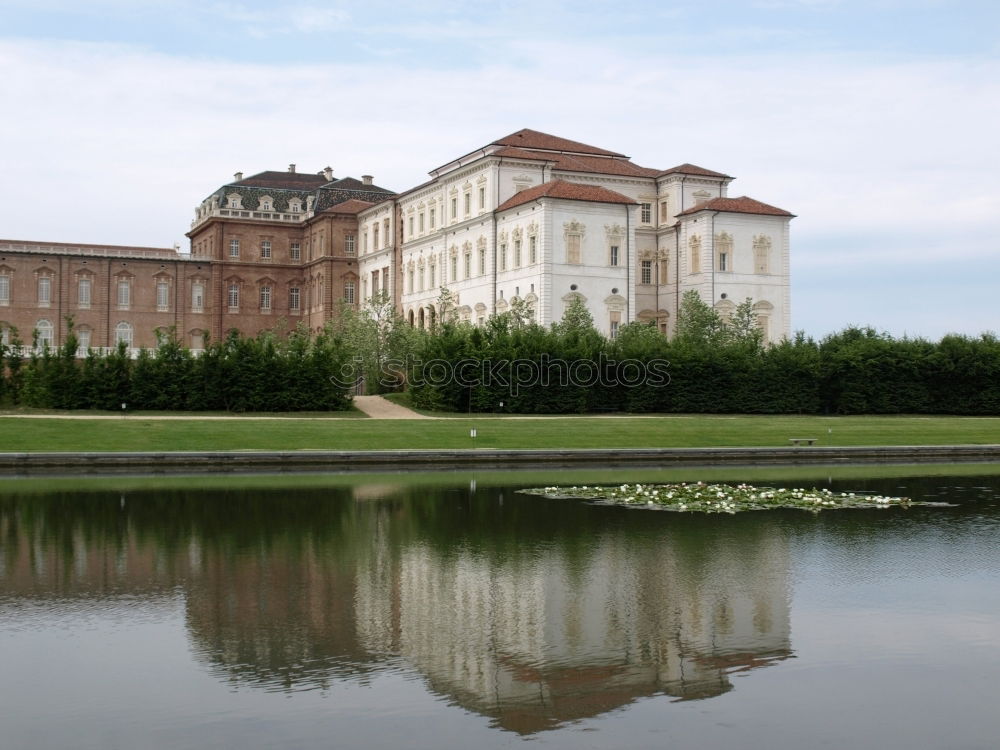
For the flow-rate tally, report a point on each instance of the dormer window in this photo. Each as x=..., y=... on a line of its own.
x=235, y=200
x=266, y=203
x=295, y=206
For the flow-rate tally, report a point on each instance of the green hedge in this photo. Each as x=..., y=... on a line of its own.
x=857, y=371
x=264, y=373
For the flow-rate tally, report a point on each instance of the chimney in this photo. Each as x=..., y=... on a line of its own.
x=328, y=173
x=291, y=168
x=367, y=179
x=237, y=177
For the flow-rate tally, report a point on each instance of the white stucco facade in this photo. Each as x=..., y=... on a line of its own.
x=540, y=219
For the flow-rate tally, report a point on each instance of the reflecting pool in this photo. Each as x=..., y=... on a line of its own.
x=448, y=611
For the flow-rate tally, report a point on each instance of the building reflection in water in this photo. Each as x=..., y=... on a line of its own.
x=532, y=612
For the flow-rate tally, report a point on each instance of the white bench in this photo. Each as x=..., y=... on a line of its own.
x=800, y=441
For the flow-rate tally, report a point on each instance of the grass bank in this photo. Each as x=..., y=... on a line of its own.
x=137, y=433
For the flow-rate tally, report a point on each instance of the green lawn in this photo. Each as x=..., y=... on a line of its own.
x=136, y=433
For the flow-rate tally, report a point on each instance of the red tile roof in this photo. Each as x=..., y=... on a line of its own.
x=693, y=170
x=566, y=191
x=283, y=180
x=352, y=206
x=579, y=163
x=741, y=205
x=533, y=139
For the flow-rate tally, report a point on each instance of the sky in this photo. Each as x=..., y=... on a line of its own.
x=875, y=122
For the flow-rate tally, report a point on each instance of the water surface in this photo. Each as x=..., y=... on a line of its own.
x=448, y=611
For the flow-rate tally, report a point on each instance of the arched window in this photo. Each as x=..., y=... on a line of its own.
x=46, y=334
x=82, y=341
x=123, y=334
x=763, y=310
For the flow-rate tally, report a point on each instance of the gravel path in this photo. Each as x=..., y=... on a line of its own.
x=377, y=407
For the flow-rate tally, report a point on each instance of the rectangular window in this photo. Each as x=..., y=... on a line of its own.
x=421, y=222
x=411, y=226
x=409, y=280
x=197, y=297
x=82, y=293
x=265, y=298
x=482, y=198
x=482, y=261
x=375, y=236
x=234, y=248
x=468, y=204
x=124, y=293
x=503, y=257
x=646, y=212
x=454, y=267
x=468, y=265
x=296, y=251
x=614, y=255
x=387, y=234
x=234, y=298
x=162, y=296
x=421, y=277
x=349, y=245
x=433, y=278
x=265, y=249
x=573, y=248
x=454, y=208
x=723, y=261
x=374, y=283
x=197, y=341
x=4, y=290
x=385, y=279
x=432, y=218
x=364, y=242
x=517, y=253
x=615, y=323
x=664, y=216
x=44, y=291
x=294, y=298
x=646, y=272
x=532, y=250
x=349, y=292
x=4, y=336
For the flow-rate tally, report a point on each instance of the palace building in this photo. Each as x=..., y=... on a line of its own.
x=529, y=220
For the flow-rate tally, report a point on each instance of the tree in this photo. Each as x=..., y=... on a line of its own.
x=697, y=323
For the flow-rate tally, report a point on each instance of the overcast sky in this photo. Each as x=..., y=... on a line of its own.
x=875, y=122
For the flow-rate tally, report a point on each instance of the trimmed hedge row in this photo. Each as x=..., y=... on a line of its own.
x=857, y=371
x=238, y=374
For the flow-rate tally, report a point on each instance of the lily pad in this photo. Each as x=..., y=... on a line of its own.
x=720, y=498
